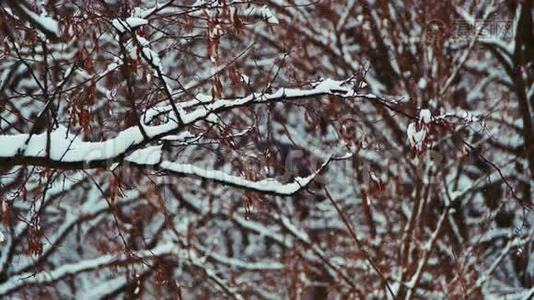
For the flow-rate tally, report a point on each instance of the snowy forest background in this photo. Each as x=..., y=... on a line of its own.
x=314, y=149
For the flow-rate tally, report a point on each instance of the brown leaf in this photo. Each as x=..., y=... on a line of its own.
x=217, y=86
x=85, y=119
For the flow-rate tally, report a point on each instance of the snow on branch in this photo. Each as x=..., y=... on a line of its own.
x=66, y=150
x=427, y=128
x=31, y=278
x=128, y=24
x=342, y=89
x=150, y=157
x=61, y=149
x=138, y=18
x=43, y=23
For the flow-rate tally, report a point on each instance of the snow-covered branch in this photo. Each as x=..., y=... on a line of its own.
x=67, y=150
x=269, y=186
x=61, y=149
x=43, y=23
x=26, y=279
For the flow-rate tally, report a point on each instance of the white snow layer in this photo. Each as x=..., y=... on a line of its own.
x=416, y=131
x=425, y=116
x=128, y=24
x=49, y=24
